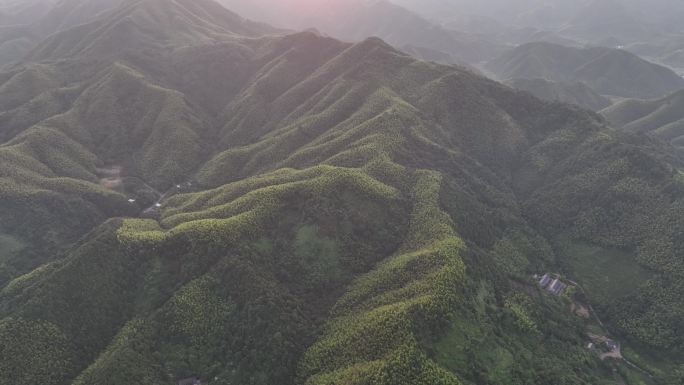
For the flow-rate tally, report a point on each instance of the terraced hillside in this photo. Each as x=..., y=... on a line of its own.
x=186, y=193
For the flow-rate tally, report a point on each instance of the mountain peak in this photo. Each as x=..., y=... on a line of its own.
x=143, y=25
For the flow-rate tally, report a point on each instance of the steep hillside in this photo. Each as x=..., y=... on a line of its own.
x=101, y=116
x=292, y=209
x=574, y=93
x=607, y=71
x=662, y=118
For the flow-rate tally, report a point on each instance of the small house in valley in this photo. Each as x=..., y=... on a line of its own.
x=545, y=280
x=612, y=345
x=556, y=287
x=552, y=284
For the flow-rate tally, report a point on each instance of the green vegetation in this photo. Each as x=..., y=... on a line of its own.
x=373, y=337
x=605, y=273
x=608, y=71
x=306, y=211
x=37, y=351
x=519, y=341
x=661, y=118
x=573, y=93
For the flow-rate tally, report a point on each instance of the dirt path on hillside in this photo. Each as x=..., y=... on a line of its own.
x=580, y=310
x=615, y=354
x=110, y=177
x=179, y=188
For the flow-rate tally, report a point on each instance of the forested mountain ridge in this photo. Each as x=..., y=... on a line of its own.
x=308, y=211
x=607, y=71
x=573, y=93
x=28, y=22
x=355, y=20
x=661, y=118
x=20, y=36
x=644, y=27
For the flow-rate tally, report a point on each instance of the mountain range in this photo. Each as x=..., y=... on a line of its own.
x=355, y=20
x=649, y=28
x=661, y=118
x=187, y=193
x=585, y=20
x=607, y=71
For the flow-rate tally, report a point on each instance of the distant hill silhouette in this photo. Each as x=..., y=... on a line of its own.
x=607, y=71
x=661, y=118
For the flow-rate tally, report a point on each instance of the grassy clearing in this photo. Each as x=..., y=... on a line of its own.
x=604, y=273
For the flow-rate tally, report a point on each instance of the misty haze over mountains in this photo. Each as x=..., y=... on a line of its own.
x=644, y=27
x=329, y=192
x=649, y=28
x=455, y=31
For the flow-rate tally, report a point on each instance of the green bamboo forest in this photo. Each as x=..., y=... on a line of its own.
x=189, y=196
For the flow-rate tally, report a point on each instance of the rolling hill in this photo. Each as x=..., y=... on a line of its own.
x=216, y=198
x=607, y=71
x=662, y=118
